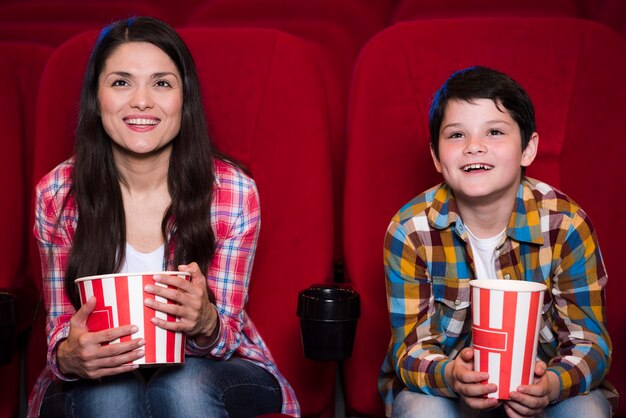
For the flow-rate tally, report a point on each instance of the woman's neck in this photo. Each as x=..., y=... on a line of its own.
x=143, y=173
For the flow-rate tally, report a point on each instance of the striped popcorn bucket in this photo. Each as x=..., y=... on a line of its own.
x=505, y=324
x=119, y=301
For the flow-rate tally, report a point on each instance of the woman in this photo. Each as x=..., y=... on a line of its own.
x=145, y=191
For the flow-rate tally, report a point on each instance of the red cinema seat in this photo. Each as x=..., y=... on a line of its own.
x=611, y=13
x=177, y=12
x=54, y=22
x=337, y=29
x=265, y=104
x=573, y=71
x=335, y=51
x=361, y=18
x=21, y=65
x=96, y=12
x=45, y=33
x=444, y=9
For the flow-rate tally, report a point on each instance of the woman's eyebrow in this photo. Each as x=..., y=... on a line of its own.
x=119, y=74
x=164, y=74
x=130, y=75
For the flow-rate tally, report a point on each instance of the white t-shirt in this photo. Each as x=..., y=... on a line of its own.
x=484, y=251
x=137, y=262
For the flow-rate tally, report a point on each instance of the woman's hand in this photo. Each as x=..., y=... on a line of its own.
x=198, y=316
x=467, y=383
x=530, y=400
x=82, y=353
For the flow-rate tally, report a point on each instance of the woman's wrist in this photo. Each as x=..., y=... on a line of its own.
x=60, y=358
x=207, y=339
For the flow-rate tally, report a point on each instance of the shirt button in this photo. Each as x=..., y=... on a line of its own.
x=507, y=277
x=457, y=302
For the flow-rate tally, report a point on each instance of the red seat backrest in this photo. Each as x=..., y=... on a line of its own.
x=54, y=22
x=60, y=11
x=444, y=9
x=573, y=71
x=335, y=50
x=608, y=12
x=361, y=18
x=265, y=105
x=21, y=65
x=46, y=33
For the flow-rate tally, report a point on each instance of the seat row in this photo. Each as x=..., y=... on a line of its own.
x=268, y=97
x=358, y=15
x=337, y=30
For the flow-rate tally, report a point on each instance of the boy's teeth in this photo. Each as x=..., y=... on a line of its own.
x=477, y=167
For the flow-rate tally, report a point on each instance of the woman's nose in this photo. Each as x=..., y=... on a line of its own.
x=141, y=99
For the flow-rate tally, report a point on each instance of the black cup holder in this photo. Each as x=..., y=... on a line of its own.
x=7, y=327
x=328, y=318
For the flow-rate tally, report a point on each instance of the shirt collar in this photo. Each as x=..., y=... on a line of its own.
x=216, y=177
x=524, y=223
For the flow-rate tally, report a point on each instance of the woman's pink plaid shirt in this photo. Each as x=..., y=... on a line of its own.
x=235, y=219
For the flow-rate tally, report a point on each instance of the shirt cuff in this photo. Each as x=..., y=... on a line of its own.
x=567, y=377
x=52, y=356
x=204, y=350
x=441, y=383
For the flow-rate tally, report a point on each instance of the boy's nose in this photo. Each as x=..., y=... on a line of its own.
x=475, y=145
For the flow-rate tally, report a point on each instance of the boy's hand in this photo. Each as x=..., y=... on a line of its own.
x=467, y=383
x=530, y=400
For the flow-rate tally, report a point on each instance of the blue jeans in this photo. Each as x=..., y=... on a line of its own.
x=200, y=388
x=407, y=404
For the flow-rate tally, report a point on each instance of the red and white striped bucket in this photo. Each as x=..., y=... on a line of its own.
x=119, y=301
x=506, y=315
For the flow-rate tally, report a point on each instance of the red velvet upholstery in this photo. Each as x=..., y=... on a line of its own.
x=573, y=71
x=54, y=22
x=174, y=12
x=73, y=11
x=608, y=12
x=265, y=104
x=336, y=31
x=361, y=18
x=21, y=65
x=443, y=9
x=46, y=33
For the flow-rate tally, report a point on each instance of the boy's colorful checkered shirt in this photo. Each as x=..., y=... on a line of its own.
x=235, y=218
x=428, y=266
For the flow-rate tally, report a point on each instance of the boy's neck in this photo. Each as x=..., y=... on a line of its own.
x=486, y=221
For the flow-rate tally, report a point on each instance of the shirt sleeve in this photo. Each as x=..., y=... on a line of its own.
x=578, y=284
x=229, y=271
x=416, y=351
x=54, y=242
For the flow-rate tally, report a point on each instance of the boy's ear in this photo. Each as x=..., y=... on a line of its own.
x=529, y=154
x=435, y=160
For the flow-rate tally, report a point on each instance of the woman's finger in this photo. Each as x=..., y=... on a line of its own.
x=112, y=334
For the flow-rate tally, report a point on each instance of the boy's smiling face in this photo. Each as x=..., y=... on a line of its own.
x=480, y=152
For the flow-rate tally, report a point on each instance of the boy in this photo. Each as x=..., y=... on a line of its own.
x=488, y=221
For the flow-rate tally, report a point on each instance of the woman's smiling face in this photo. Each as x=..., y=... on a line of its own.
x=140, y=98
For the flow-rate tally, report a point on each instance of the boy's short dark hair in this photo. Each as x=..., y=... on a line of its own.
x=483, y=83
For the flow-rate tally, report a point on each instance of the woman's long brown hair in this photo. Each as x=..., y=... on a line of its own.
x=100, y=239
